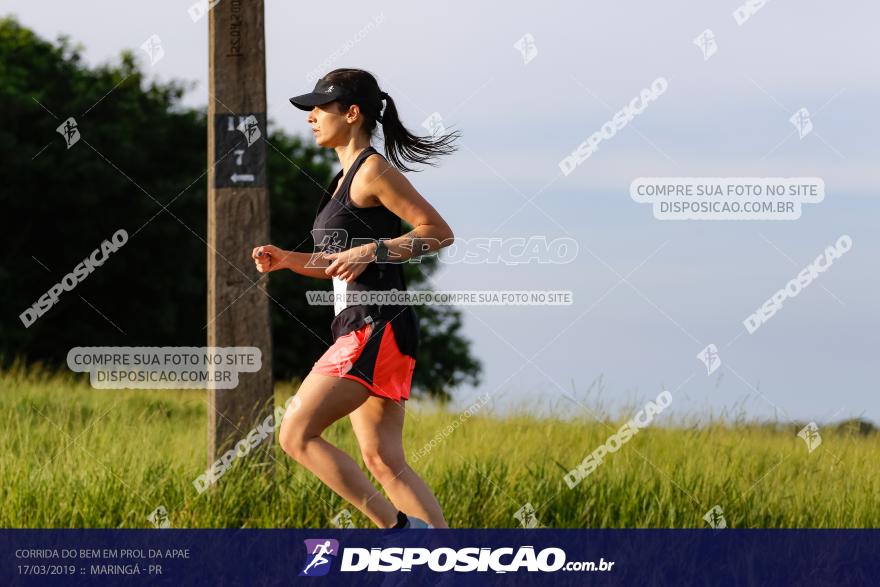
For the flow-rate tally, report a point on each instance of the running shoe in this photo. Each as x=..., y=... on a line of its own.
x=414, y=523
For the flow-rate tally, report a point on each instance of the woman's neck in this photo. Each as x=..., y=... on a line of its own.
x=348, y=153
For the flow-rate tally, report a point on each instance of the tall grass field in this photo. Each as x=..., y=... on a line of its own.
x=72, y=457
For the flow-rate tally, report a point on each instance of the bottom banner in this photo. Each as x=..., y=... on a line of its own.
x=438, y=557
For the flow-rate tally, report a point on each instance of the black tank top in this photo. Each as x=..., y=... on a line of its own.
x=340, y=225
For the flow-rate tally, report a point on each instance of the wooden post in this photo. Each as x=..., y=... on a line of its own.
x=238, y=217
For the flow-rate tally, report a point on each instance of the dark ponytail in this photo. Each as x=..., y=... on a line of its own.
x=401, y=145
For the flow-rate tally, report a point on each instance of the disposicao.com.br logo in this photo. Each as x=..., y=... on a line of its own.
x=462, y=560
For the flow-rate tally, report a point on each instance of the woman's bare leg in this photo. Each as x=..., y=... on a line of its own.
x=323, y=400
x=378, y=425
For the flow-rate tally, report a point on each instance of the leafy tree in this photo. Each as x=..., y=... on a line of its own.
x=140, y=165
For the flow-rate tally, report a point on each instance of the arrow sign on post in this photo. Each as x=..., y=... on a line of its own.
x=239, y=149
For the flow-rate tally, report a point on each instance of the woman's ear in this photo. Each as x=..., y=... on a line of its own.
x=353, y=111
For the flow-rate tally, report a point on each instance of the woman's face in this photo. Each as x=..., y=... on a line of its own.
x=330, y=127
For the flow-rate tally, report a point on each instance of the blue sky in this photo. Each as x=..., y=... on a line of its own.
x=694, y=281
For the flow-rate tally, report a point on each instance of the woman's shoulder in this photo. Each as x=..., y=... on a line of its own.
x=374, y=173
x=375, y=164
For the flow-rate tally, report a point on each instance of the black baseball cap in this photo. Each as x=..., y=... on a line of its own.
x=325, y=91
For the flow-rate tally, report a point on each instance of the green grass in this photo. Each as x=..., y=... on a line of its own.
x=72, y=456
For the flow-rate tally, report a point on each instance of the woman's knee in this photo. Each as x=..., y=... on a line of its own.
x=293, y=436
x=385, y=465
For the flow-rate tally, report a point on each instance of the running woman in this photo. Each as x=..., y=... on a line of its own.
x=366, y=374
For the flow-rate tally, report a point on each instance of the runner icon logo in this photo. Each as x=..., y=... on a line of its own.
x=320, y=553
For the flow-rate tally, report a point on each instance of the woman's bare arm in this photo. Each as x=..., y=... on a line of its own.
x=394, y=191
x=271, y=258
x=308, y=264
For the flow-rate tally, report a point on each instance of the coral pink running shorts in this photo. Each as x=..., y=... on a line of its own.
x=371, y=356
